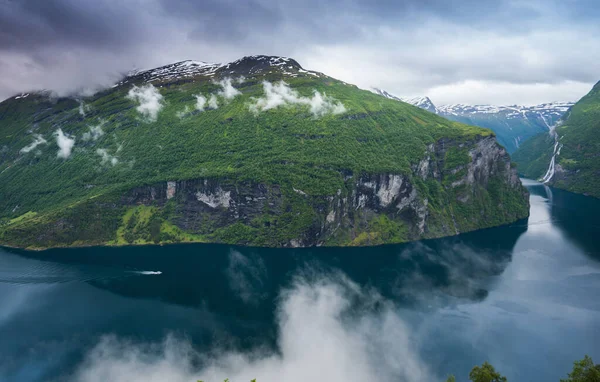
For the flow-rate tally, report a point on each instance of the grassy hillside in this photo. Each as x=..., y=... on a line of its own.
x=579, y=159
x=117, y=148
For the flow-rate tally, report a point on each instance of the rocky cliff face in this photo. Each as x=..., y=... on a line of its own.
x=367, y=209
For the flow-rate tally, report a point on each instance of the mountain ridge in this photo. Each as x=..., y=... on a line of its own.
x=512, y=124
x=255, y=152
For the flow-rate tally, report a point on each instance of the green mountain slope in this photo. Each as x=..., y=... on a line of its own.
x=227, y=153
x=578, y=160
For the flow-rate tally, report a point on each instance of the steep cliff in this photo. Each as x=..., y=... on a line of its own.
x=456, y=187
x=197, y=152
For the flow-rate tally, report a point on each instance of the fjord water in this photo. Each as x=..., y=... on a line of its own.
x=523, y=296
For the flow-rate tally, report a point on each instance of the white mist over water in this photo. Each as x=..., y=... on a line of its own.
x=319, y=340
x=326, y=327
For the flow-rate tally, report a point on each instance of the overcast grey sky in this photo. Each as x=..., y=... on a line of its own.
x=469, y=51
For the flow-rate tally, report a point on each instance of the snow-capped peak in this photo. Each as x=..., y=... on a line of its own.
x=180, y=69
x=514, y=111
x=422, y=102
x=249, y=65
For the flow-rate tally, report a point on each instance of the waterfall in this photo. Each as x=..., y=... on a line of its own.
x=557, y=146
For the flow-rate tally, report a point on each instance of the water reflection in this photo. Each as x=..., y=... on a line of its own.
x=245, y=281
x=500, y=294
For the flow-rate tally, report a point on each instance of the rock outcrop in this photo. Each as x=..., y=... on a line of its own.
x=368, y=209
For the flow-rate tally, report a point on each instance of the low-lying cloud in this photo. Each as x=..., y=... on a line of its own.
x=83, y=108
x=321, y=338
x=37, y=140
x=183, y=113
x=94, y=133
x=203, y=103
x=65, y=144
x=200, y=102
x=106, y=158
x=228, y=92
x=212, y=102
x=280, y=94
x=149, y=100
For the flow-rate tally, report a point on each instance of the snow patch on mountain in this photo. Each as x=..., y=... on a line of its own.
x=543, y=111
x=249, y=65
x=512, y=111
x=422, y=102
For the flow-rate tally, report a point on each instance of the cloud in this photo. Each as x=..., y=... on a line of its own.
x=94, y=133
x=106, y=157
x=228, y=92
x=149, y=99
x=280, y=94
x=212, y=102
x=406, y=47
x=182, y=113
x=83, y=108
x=65, y=144
x=37, y=140
x=329, y=330
x=200, y=102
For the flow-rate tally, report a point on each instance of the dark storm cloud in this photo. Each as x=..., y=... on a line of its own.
x=407, y=46
x=29, y=24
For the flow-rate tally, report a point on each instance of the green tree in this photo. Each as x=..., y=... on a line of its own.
x=486, y=373
x=584, y=371
x=451, y=378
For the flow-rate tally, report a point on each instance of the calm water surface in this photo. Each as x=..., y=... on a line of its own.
x=524, y=297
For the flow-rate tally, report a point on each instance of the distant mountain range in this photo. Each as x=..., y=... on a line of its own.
x=512, y=124
x=568, y=157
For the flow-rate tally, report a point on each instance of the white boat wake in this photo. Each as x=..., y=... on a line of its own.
x=148, y=272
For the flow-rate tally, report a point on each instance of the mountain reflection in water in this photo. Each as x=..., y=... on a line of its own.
x=519, y=296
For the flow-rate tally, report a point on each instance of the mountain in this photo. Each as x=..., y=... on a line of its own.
x=512, y=124
x=258, y=151
x=568, y=157
x=422, y=102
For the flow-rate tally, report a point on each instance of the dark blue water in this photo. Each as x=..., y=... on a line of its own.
x=524, y=297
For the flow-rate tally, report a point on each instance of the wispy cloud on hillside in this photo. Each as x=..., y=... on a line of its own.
x=212, y=102
x=94, y=133
x=228, y=92
x=200, y=102
x=83, y=108
x=280, y=94
x=37, y=140
x=183, y=113
x=106, y=158
x=65, y=144
x=149, y=100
